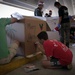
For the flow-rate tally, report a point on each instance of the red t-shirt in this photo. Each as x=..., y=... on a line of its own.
x=58, y=50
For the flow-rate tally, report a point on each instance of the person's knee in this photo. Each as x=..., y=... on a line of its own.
x=5, y=61
x=45, y=64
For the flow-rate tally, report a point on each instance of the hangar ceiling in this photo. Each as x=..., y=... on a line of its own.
x=48, y=4
x=28, y=4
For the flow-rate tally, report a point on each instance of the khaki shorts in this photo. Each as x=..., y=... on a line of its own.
x=13, y=51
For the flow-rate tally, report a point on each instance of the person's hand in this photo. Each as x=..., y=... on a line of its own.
x=36, y=43
x=59, y=26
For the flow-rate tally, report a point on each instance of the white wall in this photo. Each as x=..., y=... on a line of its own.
x=6, y=11
x=73, y=4
x=68, y=3
x=51, y=7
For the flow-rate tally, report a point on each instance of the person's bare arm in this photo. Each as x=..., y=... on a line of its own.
x=40, y=47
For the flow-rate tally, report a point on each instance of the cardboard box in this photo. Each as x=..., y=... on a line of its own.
x=32, y=27
x=52, y=22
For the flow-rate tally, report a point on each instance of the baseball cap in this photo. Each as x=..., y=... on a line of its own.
x=40, y=3
x=17, y=15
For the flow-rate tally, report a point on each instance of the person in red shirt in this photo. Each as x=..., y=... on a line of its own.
x=58, y=55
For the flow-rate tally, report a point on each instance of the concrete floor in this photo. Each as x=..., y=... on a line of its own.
x=42, y=71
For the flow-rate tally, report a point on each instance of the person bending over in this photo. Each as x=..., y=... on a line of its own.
x=6, y=54
x=58, y=55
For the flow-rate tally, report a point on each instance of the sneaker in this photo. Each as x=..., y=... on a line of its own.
x=69, y=67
